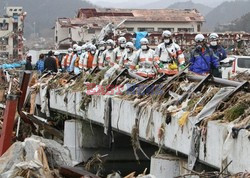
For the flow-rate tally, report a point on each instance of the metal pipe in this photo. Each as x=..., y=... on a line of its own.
x=8, y=123
x=215, y=80
x=131, y=74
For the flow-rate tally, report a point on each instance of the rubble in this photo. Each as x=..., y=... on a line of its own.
x=35, y=156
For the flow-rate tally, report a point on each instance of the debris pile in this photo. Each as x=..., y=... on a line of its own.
x=35, y=157
x=241, y=77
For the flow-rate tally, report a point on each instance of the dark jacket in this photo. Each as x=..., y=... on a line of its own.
x=202, y=62
x=219, y=51
x=50, y=64
x=28, y=65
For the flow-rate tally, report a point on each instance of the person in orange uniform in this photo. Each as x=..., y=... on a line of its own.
x=77, y=60
x=89, y=58
x=65, y=59
x=56, y=55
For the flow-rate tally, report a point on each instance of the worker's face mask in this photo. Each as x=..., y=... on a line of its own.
x=167, y=40
x=199, y=45
x=128, y=50
x=123, y=46
x=79, y=52
x=213, y=43
x=102, y=48
x=109, y=47
x=92, y=52
x=144, y=47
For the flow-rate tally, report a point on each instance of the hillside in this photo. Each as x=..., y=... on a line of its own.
x=203, y=9
x=241, y=24
x=45, y=12
x=226, y=12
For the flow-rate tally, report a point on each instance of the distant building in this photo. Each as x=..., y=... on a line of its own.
x=11, y=33
x=89, y=23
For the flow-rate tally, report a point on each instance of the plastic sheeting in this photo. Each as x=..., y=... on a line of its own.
x=13, y=65
x=211, y=106
x=139, y=36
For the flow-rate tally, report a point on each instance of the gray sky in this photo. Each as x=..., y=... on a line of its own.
x=211, y=3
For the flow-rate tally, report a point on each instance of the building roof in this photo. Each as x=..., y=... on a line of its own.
x=162, y=15
x=95, y=18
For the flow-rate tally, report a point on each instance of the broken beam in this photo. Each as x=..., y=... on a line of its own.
x=8, y=123
x=46, y=127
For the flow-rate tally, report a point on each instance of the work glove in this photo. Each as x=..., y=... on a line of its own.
x=161, y=65
x=182, y=66
x=173, y=66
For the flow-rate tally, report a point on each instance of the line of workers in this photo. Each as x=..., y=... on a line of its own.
x=167, y=58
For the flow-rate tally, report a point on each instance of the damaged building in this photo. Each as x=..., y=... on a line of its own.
x=89, y=22
x=11, y=33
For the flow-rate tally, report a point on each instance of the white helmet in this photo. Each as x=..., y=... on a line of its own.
x=74, y=47
x=79, y=49
x=84, y=47
x=70, y=50
x=92, y=48
x=199, y=38
x=56, y=53
x=110, y=42
x=144, y=41
x=166, y=34
x=88, y=46
x=213, y=36
x=130, y=45
x=101, y=43
x=122, y=40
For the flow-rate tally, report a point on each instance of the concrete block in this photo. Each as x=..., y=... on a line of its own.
x=163, y=166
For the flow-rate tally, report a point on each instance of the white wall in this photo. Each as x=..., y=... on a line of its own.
x=157, y=25
x=61, y=33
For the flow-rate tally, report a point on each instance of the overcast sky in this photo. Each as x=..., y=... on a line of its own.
x=206, y=2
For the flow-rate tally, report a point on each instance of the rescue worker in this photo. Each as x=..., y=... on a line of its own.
x=84, y=47
x=73, y=58
x=82, y=56
x=109, y=54
x=89, y=58
x=120, y=50
x=143, y=62
x=66, y=60
x=169, y=55
x=50, y=63
x=98, y=60
x=218, y=50
x=128, y=56
x=77, y=65
x=202, y=57
x=56, y=55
